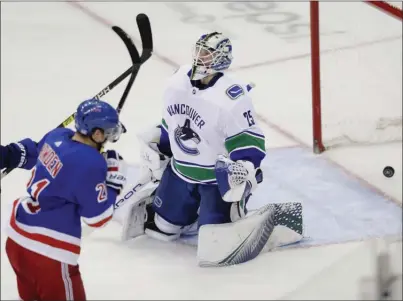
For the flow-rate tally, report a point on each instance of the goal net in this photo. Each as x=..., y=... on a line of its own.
x=356, y=86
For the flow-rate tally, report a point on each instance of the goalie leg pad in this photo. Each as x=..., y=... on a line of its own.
x=133, y=214
x=289, y=228
x=167, y=227
x=163, y=230
x=272, y=226
x=136, y=216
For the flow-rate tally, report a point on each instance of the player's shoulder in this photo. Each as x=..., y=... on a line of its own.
x=177, y=81
x=59, y=132
x=85, y=163
x=88, y=159
x=77, y=155
x=231, y=91
x=55, y=139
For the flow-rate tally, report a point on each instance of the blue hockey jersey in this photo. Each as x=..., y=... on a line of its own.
x=67, y=184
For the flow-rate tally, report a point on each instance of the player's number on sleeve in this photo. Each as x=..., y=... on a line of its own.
x=102, y=192
x=249, y=118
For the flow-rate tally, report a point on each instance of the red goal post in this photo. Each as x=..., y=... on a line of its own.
x=319, y=143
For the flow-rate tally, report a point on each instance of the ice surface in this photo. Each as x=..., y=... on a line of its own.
x=54, y=55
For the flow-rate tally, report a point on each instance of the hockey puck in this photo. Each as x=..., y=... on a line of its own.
x=388, y=171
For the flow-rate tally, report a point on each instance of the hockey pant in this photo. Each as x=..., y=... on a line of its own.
x=42, y=278
x=181, y=203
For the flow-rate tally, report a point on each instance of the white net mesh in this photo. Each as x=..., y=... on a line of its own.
x=361, y=75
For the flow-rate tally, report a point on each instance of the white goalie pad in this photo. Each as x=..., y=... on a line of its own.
x=135, y=217
x=272, y=226
x=130, y=209
x=130, y=204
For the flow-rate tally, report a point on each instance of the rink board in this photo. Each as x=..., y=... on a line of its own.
x=337, y=207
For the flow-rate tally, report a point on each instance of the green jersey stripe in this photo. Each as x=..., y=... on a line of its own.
x=244, y=140
x=195, y=173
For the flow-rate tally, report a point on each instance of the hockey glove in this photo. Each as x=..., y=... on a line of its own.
x=115, y=178
x=22, y=154
x=236, y=180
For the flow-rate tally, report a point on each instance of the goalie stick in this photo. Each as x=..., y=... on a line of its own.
x=144, y=27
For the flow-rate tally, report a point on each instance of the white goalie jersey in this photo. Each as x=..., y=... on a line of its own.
x=200, y=124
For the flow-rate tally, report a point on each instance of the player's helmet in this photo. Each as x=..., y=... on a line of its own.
x=95, y=114
x=211, y=54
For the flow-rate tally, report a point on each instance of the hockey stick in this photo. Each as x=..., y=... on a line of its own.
x=144, y=26
x=136, y=62
x=146, y=36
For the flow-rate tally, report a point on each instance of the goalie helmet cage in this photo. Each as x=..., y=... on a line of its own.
x=370, y=99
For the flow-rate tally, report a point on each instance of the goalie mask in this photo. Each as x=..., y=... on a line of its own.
x=211, y=54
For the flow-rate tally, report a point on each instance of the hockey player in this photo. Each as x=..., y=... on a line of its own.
x=206, y=114
x=207, y=153
x=71, y=180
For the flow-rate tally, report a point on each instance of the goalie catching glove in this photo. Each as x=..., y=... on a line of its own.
x=236, y=181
